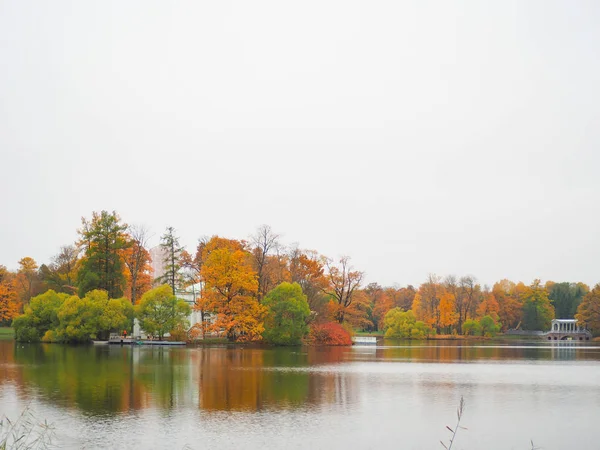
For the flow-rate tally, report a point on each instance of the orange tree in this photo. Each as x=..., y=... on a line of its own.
x=230, y=289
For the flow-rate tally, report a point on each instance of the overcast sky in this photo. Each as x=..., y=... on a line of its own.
x=414, y=136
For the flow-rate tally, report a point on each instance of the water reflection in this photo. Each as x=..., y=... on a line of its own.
x=103, y=380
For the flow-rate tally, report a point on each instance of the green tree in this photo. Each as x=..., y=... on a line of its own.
x=401, y=324
x=488, y=326
x=288, y=312
x=588, y=312
x=537, y=310
x=159, y=311
x=172, y=250
x=92, y=317
x=103, y=239
x=471, y=327
x=566, y=297
x=40, y=316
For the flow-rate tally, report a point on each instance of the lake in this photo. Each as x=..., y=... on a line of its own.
x=387, y=397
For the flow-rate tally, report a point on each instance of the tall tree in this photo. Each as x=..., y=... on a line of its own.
x=426, y=305
x=169, y=242
x=9, y=300
x=343, y=284
x=285, y=323
x=138, y=271
x=61, y=274
x=588, y=311
x=264, y=242
x=566, y=297
x=306, y=268
x=537, y=310
x=103, y=240
x=27, y=278
x=230, y=289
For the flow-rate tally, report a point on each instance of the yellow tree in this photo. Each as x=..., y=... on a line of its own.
x=588, y=311
x=230, y=290
x=27, y=278
x=448, y=314
x=9, y=301
x=426, y=304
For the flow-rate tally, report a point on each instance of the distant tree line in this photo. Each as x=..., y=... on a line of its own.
x=259, y=289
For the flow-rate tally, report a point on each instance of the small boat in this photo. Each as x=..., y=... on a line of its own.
x=100, y=342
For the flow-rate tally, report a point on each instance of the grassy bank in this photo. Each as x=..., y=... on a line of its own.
x=7, y=333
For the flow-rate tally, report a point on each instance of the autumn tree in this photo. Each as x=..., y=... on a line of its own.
x=9, y=300
x=538, y=312
x=426, y=304
x=136, y=259
x=169, y=242
x=230, y=289
x=263, y=242
x=27, y=278
x=103, y=240
x=343, y=284
x=61, y=274
x=510, y=303
x=402, y=297
x=401, y=324
x=288, y=311
x=380, y=303
x=588, y=311
x=448, y=314
x=467, y=294
x=307, y=269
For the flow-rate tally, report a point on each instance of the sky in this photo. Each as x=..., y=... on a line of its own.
x=416, y=137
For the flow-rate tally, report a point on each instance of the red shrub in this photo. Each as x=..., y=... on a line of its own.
x=330, y=333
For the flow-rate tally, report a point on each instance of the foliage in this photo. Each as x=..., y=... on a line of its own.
x=136, y=259
x=488, y=326
x=9, y=302
x=61, y=274
x=25, y=433
x=40, y=316
x=160, y=312
x=288, y=312
x=103, y=239
x=471, y=327
x=169, y=242
x=54, y=317
x=329, y=333
x=92, y=317
x=537, y=310
x=343, y=284
x=566, y=297
x=230, y=290
x=401, y=324
x=588, y=311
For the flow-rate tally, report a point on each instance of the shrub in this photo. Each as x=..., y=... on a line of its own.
x=330, y=333
x=401, y=324
x=50, y=336
x=471, y=328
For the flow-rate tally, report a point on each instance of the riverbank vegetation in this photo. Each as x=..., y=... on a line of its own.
x=258, y=289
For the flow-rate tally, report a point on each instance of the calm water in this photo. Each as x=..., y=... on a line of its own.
x=392, y=397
